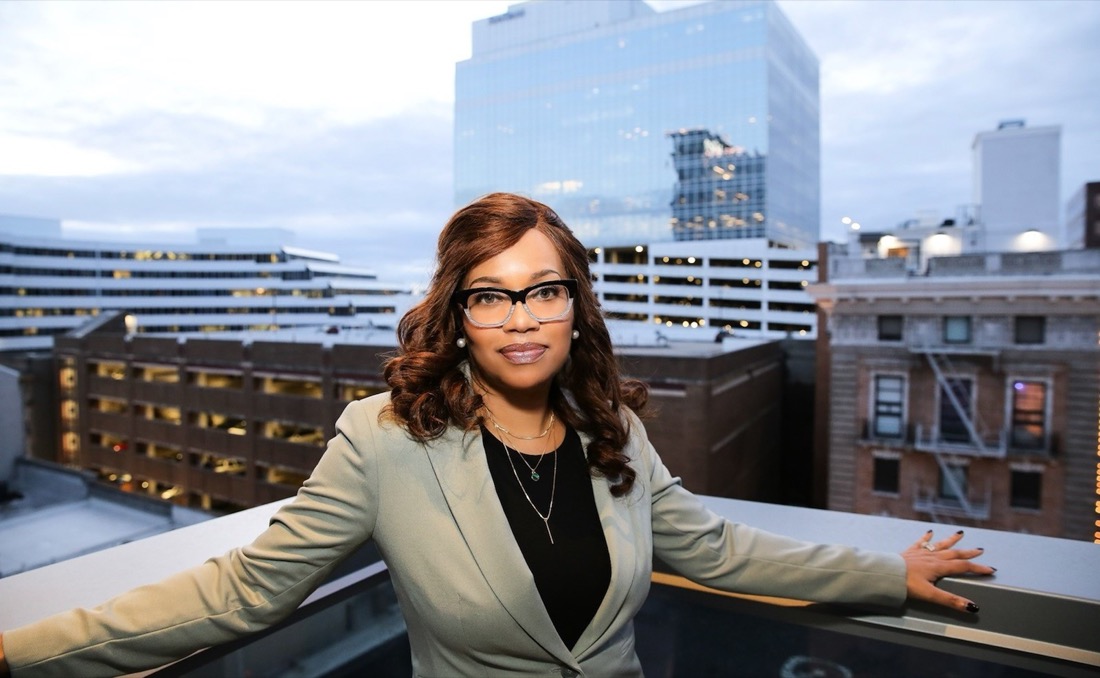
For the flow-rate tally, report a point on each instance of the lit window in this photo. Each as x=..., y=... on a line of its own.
x=1029, y=414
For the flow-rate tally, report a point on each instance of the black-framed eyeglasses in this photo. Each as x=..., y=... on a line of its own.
x=493, y=306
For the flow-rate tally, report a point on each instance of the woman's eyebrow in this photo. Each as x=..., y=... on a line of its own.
x=497, y=281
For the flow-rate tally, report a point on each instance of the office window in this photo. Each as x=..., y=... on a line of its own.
x=956, y=329
x=1027, y=489
x=1030, y=329
x=956, y=409
x=1029, y=404
x=889, y=405
x=886, y=473
x=953, y=482
x=890, y=327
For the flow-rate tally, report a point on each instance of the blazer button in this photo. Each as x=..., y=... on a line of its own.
x=567, y=672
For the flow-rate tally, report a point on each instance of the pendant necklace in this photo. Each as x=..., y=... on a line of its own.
x=534, y=474
x=553, y=487
x=533, y=469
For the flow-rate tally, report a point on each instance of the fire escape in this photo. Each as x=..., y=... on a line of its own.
x=954, y=500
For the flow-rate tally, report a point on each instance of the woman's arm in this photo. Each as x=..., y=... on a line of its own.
x=730, y=556
x=242, y=591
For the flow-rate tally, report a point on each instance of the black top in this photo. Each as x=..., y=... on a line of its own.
x=572, y=573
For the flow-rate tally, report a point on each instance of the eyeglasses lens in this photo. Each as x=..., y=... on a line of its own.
x=547, y=302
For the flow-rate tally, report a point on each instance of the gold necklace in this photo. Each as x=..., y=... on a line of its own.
x=505, y=431
x=553, y=488
x=534, y=474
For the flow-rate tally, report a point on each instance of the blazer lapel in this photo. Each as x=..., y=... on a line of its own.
x=458, y=460
x=618, y=526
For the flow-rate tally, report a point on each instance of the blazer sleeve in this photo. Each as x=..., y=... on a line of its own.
x=711, y=550
x=242, y=591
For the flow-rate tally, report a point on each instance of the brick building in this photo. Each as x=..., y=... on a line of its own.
x=224, y=424
x=967, y=394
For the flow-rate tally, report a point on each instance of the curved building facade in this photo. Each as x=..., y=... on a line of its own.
x=50, y=285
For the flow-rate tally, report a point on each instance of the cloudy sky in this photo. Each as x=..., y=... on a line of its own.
x=142, y=120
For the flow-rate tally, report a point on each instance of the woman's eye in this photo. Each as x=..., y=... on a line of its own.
x=486, y=298
x=547, y=293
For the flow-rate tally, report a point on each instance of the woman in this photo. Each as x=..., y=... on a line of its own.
x=509, y=486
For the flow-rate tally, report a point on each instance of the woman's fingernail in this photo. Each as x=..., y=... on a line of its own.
x=980, y=548
x=959, y=532
x=928, y=532
x=993, y=568
x=971, y=608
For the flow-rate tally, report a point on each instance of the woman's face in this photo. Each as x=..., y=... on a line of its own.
x=522, y=356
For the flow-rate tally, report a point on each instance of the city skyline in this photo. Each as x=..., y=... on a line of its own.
x=265, y=115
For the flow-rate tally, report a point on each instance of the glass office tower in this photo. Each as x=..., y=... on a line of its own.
x=586, y=104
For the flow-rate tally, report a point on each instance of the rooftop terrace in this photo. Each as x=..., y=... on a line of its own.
x=1039, y=613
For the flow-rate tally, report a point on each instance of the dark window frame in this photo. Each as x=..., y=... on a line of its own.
x=891, y=327
x=952, y=429
x=886, y=475
x=1025, y=489
x=1029, y=329
x=962, y=474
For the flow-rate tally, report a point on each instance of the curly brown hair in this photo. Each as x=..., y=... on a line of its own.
x=428, y=390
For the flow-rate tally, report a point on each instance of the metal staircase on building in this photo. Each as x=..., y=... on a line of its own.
x=945, y=372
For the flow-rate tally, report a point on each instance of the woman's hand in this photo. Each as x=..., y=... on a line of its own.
x=926, y=562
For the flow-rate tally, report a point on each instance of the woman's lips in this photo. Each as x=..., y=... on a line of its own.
x=522, y=354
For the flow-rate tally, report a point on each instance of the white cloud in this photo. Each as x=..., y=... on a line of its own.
x=335, y=117
x=24, y=155
x=347, y=61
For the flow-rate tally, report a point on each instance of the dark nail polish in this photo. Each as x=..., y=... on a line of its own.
x=972, y=608
x=993, y=568
x=959, y=532
x=980, y=548
x=928, y=532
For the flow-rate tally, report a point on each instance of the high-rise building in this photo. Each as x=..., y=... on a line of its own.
x=231, y=280
x=734, y=287
x=1017, y=183
x=591, y=106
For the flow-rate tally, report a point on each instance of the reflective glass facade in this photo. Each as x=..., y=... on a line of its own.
x=589, y=119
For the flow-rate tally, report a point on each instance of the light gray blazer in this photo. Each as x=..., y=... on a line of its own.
x=468, y=598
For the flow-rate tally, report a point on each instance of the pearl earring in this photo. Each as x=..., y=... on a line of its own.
x=460, y=342
x=576, y=334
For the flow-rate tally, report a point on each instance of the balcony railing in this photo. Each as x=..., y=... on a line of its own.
x=993, y=444
x=1039, y=613
x=929, y=500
